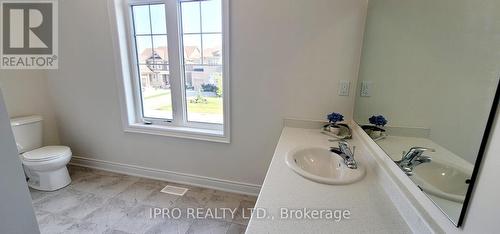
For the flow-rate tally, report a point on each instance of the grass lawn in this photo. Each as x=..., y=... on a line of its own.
x=160, y=100
x=213, y=106
x=155, y=93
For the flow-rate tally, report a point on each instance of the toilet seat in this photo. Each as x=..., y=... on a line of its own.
x=46, y=153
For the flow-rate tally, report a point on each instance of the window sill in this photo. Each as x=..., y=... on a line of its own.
x=179, y=132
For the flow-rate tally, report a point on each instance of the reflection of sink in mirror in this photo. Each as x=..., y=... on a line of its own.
x=320, y=165
x=442, y=181
x=448, y=190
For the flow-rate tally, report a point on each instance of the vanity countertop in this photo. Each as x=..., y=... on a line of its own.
x=371, y=210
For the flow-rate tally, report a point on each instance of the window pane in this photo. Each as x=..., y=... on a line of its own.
x=144, y=48
x=161, y=49
x=155, y=88
x=190, y=17
x=159, y=24
x=204, y=94
x=212, y=49
x=141, y=19
x=211, y=15
x=192, y=49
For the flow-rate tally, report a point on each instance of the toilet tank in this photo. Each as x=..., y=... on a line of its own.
x=27, y=132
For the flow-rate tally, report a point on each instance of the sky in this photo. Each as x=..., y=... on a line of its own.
x=211, y=16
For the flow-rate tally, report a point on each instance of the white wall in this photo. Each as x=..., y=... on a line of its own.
x=26, y=93
x=433, y=64
x=287, y=58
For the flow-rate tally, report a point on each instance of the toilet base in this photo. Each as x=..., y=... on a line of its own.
x=48, y=180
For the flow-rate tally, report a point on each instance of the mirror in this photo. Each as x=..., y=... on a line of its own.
x=426, y=90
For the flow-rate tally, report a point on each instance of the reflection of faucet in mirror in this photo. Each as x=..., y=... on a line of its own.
x=346, y=153
x=413, y=158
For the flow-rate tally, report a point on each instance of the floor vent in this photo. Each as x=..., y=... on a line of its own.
x=174, y=190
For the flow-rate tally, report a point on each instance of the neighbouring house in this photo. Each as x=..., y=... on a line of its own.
x=155, y=70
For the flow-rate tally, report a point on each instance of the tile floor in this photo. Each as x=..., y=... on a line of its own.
x=104, y=202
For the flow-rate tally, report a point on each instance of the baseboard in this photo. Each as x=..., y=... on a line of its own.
x=151, y=173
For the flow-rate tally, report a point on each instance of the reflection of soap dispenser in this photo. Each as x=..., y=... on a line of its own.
x=377, y=130
x=375, y=133
x=334, y=129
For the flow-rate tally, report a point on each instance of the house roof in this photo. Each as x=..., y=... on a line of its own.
x=191, y=52
x=212, y=52
x=159, y=53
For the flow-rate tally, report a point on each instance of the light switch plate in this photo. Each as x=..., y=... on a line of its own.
x=366, y=89
x=344, y=87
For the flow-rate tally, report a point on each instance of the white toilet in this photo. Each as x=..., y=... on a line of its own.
x=44, y=166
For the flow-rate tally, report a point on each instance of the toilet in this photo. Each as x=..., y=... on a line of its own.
x=45, y=167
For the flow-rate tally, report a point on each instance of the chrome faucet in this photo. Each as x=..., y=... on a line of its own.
x=346, y=153
x=413, y=158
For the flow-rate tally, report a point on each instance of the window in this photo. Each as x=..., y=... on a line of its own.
x=178, y=66
x=150, y=35
x=202, y=45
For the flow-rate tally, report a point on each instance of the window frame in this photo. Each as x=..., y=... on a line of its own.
x=131, y=95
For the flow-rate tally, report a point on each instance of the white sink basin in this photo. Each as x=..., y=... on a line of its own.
x=320, y=165
x=442, y=180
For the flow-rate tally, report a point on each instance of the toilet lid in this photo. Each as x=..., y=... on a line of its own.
x=47, y=153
